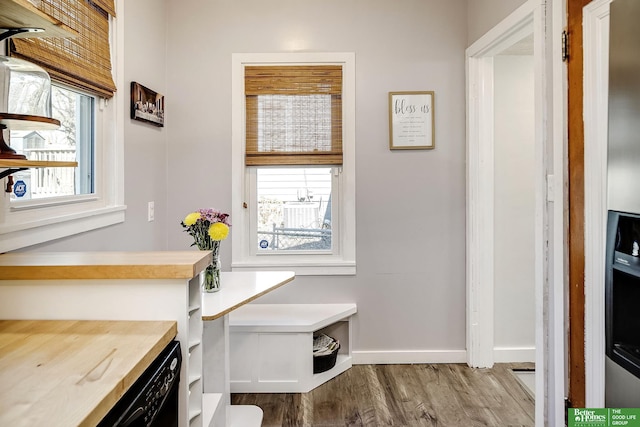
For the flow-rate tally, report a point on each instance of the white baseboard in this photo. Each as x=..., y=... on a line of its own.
x=408, y=356
x=514, y=354
x=500, y=355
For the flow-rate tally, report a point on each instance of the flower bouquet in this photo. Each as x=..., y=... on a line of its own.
x=208, y=227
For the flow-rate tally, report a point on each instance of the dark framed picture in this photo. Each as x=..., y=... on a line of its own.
x=146, y=105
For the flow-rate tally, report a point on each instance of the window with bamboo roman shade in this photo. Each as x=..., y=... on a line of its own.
x=293, y=115
x=83, y=61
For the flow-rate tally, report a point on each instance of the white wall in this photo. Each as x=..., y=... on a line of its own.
x=483, y=15
x=514, y=204
x=410, y=286
x=145, y=146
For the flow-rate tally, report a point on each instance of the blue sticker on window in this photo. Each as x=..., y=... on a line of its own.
x=20, y=188
x=264, y=244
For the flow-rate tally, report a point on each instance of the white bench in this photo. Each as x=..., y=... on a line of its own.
x=271, y=345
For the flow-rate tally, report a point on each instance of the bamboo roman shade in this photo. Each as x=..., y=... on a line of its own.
x=106, y=5
x=83, y=61
x=293, y=115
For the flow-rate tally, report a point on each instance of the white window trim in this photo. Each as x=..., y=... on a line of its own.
x=25, y=226
x=343, y=261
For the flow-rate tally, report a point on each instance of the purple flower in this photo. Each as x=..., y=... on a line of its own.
x=198, y=225
x=214, y=215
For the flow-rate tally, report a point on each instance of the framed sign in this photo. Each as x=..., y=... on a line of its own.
x=411, y=120
x=146, y=105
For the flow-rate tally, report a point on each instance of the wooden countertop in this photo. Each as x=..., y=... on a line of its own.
x=241, y=287
x=70, y=373
x=103, y=265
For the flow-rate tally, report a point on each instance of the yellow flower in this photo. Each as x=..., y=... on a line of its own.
x=218, y=231
x=191, y=219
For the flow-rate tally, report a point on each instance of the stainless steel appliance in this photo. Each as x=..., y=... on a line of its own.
x=622, y=363
x=152, y=401
x=622, y=287
x=624, y=107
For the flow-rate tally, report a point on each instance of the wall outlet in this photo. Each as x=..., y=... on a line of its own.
x=150, y=211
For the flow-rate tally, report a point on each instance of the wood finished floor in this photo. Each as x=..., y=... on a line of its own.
x=443, y=395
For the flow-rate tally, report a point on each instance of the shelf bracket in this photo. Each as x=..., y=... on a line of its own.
x=5, y=173
x=10, y=32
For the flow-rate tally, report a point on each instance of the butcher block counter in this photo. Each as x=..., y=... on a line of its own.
x=69, y=372
x=103, y=265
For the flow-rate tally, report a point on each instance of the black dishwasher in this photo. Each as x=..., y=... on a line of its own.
x=152, y=401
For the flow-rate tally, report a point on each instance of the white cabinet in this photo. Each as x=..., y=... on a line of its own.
x=272, y=344
x=146, y=286
x=115, y=286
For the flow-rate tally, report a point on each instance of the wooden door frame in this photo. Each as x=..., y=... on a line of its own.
x=576, y=195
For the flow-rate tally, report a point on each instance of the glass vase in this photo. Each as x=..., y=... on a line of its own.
x=211, y=282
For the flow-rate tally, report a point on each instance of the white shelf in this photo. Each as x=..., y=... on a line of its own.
x=289, y=318
x=194, y=378
x=240, y=288
x=244, y=416
x=197, y=416
x=343, y=362
x=210, y=405
x=193, y=414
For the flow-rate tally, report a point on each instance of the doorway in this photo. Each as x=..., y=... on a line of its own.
x=514, y=203
x=503, y=152
x=491, y=257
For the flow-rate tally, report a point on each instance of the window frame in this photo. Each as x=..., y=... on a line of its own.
x=342, y=260
x=89, y=158
x=53, y=218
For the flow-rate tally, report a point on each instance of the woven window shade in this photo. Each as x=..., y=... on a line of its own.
x=83, y=61
x=293, y=115
x=106, y=5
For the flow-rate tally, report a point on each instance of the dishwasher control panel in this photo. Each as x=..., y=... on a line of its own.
x=152, y=399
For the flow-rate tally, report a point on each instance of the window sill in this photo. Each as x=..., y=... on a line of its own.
x=335, y=268
x=44, y=230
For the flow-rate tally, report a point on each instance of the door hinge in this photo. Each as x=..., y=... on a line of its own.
x=565, y=46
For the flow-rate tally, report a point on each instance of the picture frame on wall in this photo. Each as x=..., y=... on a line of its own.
x=411, y=120
x=147, y=105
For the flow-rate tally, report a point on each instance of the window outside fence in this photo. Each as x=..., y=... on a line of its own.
x=294, y=209
x=73, y=141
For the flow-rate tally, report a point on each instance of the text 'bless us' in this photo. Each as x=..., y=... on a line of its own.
x=402, y=107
